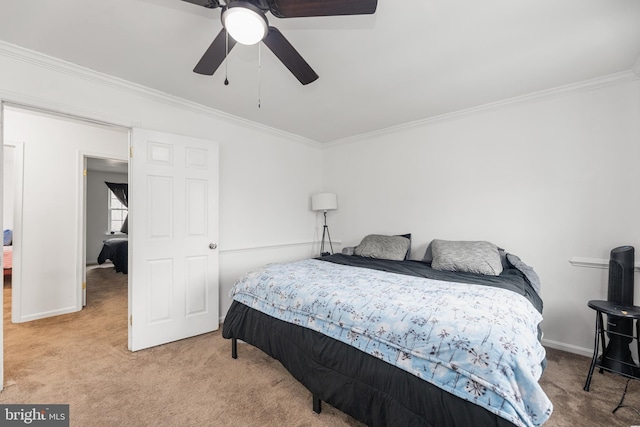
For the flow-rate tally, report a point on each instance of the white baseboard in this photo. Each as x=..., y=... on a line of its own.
x=45, y=314
x=568, y=348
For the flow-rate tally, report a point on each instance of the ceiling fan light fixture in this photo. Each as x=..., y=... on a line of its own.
x=244, y=22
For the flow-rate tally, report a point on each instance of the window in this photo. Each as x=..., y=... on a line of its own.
x=117, y=213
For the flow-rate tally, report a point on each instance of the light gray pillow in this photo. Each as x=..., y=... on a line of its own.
x=349, y=250
x=428, y=256
x=527, y=270
x=428, y=253
x=478, y=257
x=383, y=247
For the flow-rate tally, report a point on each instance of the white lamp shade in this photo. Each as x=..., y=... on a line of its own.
x=324, y=202
x=245, y=24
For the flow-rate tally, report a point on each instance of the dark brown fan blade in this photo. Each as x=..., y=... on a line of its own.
x=302, y=8
x=211, y=4
x=214, y=55
x=289, y=56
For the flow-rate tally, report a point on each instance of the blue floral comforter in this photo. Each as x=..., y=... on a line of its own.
x=476, y=342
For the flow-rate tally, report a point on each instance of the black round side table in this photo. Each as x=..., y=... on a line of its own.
x=606, y=358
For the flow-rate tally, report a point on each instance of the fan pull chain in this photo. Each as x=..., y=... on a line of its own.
x=226, y=55
x=259, y=72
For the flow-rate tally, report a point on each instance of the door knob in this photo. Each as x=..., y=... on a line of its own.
x=213, y=246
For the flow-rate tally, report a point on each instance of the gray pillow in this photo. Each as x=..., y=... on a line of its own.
x=428, y=253
x=383, y=247
x=527, y=270
x=478, y=257
x=428, y=256
x=349, y=250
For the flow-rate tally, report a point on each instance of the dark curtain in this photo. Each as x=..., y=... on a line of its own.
x=121, y=191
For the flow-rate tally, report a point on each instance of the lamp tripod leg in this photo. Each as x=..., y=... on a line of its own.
x=329, y=236
x=324, y=231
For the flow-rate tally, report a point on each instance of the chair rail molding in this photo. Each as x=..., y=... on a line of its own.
x=595, y=263
x=274, y=246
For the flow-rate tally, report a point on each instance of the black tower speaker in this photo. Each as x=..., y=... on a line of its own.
x=617, y=355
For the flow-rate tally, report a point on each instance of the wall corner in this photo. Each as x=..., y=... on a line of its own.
x=636, y=66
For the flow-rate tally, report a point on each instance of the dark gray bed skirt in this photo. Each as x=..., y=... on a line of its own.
x=368, y=389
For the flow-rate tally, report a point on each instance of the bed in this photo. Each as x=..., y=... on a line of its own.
x=397, y=342
x=116, y=250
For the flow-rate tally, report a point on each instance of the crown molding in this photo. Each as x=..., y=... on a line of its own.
x=64, y=67
x=583, y=86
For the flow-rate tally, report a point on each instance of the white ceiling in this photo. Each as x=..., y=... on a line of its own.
x=411, y=60
x=107, y=165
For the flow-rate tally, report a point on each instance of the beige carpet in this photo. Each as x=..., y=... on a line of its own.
x=82, y=359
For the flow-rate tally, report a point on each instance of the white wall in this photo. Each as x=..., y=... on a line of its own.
x=48, y=267
x=98, y=210
x=548, y=179
x=266, y=177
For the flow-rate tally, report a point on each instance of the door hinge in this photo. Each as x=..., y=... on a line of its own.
x=131, y=152
x=84, y=172
x=84, y=285
x=131, y=319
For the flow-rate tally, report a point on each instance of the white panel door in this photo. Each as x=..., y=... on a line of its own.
x=173, y=232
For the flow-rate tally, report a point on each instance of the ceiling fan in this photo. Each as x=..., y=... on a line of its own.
x=246, y=23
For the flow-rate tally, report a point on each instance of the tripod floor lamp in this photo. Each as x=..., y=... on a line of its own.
x=324, y=202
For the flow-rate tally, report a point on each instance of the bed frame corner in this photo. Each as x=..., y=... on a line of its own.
x=234, y=348
x=317, y=404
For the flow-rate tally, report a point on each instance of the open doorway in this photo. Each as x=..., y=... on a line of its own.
x=105, y=216
x=176, y=179
x=52, y=214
